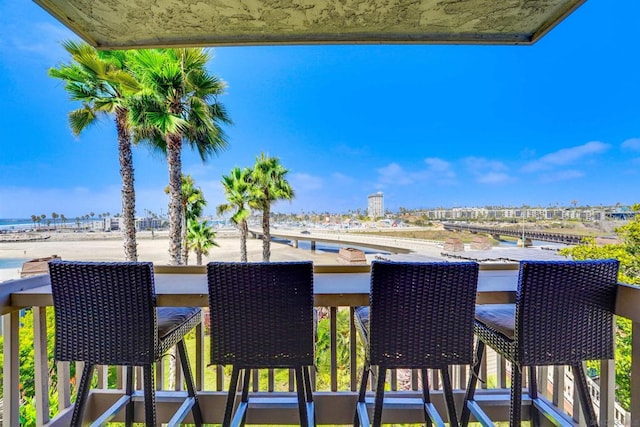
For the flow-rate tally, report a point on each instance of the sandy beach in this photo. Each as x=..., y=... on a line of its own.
x=109, y=247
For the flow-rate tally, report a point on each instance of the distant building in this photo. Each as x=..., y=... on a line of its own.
x=375, y=205
x=148, y=223
x=514, y=214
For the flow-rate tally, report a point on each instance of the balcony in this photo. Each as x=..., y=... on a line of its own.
x=338, y=290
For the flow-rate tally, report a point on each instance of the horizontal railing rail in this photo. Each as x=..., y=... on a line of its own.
x=339, y=356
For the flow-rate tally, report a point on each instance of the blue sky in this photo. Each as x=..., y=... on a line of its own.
x=428, y=126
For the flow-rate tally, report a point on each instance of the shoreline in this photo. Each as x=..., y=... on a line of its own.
x=154, y=247
x=101, y=246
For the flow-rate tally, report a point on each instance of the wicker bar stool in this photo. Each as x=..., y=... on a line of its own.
x=106, y=314
x=420, y=317
x=563, y=315
x=262, y=317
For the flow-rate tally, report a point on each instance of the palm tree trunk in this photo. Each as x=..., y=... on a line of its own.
x=244, y=231
x=266, y=234
x=174, y=148
x=185, y=247
x=128, y=191
x=198, y=258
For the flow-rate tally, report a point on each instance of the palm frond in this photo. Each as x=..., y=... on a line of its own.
x=80, y=119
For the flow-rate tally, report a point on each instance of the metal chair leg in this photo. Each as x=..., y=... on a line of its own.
x=149, y=396
x=244, y=398
x=307, y=383
x=580, y=380
x=426, y=396
x=363, y=390
x=302, y=397
x=471, y=387
x=533, y=394
x=448, y=397
x=83, y=393
x=128, y=419
x=377, y=411
x=188, y=378
x=515, y=409
x=231, y=397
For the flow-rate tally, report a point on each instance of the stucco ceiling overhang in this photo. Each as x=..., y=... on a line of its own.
x=120, y=24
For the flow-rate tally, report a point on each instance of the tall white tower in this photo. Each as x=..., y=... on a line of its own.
x=375, y=205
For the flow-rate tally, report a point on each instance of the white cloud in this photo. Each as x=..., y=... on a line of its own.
x=632, y=144
x=393, y=174
x=342, y=178
x=439, y=171
x=561, y=176
x=304, y=182
x=566, y=156
x=440, y=167
x=44, y=42
x=493, y=178
x=487, y=171
x=479, y=164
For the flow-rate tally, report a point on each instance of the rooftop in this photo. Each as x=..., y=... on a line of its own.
x=118, y=24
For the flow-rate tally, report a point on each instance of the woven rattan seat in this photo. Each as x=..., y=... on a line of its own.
x=106, y=314
x=262, y=317
x=420, y=317
x=563, y=315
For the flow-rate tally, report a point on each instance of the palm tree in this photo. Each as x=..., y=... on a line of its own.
x=54, y=216
x=192, y=203
x=237, y=189
x=179, y=104
x=269, y=184
x=200, y=238
x=102, y=82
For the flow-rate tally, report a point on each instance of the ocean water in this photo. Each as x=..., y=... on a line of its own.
x=327, y=248
x=12, y=262
x=10, y=224
x=14, y=224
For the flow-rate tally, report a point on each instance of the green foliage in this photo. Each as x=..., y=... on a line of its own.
x=323, y=349
x=1, y=364
x=627, y=252
x=178, y=105
x=200, y=238
x=27, y=367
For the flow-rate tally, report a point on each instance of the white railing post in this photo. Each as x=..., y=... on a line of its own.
x=607, y=392
x=64, y=385
x=41, y=365
x=11, y=370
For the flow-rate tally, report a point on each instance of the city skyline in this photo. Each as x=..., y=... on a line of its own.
x=429, y=126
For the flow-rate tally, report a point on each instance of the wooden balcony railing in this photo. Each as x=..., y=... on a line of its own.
x=335, y=383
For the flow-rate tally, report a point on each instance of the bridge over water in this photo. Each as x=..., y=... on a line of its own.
x=381, y=243
x=568, y=239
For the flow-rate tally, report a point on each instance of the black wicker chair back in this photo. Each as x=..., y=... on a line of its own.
x=262, y=317
x=261, y=314
x=563, y=315
x=421, y=316
x=106, y=314
x=564, y=311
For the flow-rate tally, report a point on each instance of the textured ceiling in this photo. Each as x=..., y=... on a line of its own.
x=116, y=24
